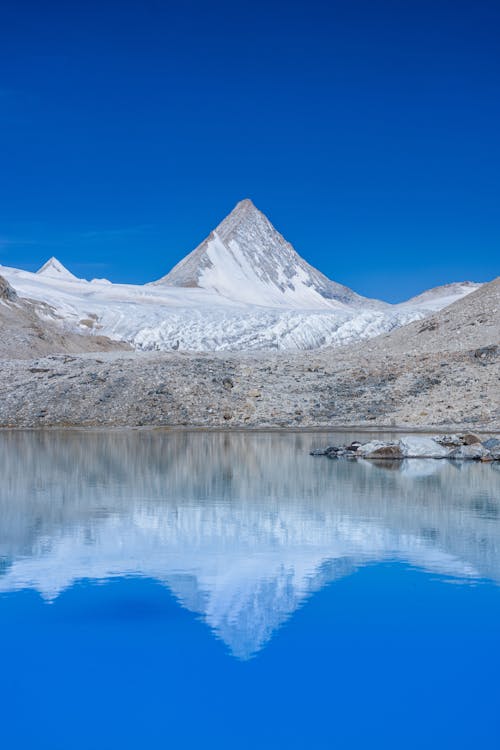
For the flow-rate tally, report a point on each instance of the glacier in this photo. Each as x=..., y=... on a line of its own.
x=243, y=288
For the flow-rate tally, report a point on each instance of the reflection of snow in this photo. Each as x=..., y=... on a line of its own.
x=419, y=467
x=241, y=528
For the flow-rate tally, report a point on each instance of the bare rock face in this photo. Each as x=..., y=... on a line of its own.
x=7, y=292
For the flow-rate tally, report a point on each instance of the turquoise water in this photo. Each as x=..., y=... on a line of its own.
x=229, y=591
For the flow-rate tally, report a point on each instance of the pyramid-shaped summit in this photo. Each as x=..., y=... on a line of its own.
x=55, y=269
x=247, y=260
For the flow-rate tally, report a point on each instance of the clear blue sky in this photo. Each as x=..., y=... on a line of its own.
x=367, y=130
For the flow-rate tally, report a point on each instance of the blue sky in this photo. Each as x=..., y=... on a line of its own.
x=366, y=131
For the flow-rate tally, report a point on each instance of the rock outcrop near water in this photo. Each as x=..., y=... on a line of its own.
x=455, y=447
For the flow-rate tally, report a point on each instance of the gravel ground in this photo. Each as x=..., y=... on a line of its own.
x=320, y=390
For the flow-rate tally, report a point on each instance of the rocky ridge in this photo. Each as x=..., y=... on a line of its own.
x=471, y=322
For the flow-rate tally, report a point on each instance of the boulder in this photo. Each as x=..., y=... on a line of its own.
x=492, y=444
x=487, y=353
x=474, y=452
x=378, y=449
x=354, y=446
x=333, y=451
x=423, y=447
x=451, y=441
x=470, y=439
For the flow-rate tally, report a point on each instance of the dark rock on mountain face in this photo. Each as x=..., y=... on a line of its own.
x=487, y=354
x=7, y=292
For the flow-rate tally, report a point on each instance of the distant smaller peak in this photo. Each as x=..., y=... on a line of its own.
x=55, y=268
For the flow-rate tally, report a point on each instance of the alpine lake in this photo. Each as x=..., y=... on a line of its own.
x=163, y=589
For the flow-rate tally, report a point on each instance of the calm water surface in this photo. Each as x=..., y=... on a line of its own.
x=229, y=591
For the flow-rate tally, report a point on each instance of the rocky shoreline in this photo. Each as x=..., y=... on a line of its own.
x=467, y=446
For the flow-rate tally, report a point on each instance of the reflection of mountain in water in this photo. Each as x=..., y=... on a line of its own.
x=242, y=528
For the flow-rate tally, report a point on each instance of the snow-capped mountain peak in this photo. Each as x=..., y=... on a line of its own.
x=55, y=268
x=246, y=259
x=243, y=288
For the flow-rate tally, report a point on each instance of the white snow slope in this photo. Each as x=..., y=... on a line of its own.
x=244, y=287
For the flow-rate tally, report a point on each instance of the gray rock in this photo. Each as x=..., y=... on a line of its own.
x=333, y=451
x=354, y=446
x=486, y=353
x=470, y=439
x=451, y=441
x=414, y=446
x=491, y=444
x=474, y=452
x=6, y=291
x=377, y=449
x=228, y=384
